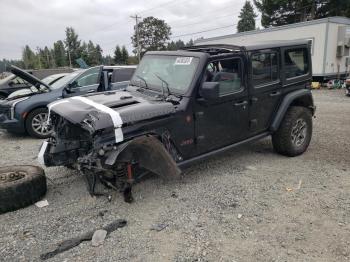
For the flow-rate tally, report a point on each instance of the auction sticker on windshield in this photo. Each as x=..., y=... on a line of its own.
x=183, y=60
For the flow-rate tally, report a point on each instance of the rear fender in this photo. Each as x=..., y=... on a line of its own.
x=301, y=97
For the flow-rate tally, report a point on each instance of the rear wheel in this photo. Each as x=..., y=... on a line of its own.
x=37, y=124
x=294, y=134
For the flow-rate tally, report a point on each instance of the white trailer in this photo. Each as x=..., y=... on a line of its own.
x=330, y=43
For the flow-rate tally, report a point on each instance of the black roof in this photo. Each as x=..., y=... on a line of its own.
x=214, y=49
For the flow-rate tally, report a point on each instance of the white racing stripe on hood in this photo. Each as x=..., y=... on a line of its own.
x=117, y=121
x=50, y=106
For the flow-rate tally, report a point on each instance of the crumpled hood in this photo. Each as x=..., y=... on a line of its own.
x=108, y=109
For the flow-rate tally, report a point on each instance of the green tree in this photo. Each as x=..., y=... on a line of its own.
x=118, y=57
x=98, y=54
x=190, y=43
x=59, y=54
x=246, y=18
x=73, y=45
x=125, y=55
x=282, y=12
x=29, y=58
x=153, y=34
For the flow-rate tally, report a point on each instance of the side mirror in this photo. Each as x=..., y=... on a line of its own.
x=70, y=87
x=210, y=90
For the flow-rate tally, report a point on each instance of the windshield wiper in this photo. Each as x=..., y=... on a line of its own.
x=144, y=80
x=166, y=84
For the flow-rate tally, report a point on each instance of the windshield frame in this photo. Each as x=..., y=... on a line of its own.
x=159, y=88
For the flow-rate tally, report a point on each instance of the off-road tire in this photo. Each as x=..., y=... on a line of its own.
x=21, y=186
x=29, y=121
x=282, y=139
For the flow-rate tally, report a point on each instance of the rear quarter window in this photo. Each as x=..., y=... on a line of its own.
x=296, y=62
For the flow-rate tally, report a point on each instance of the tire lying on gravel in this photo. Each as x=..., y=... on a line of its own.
x=294, y=134
x=21, y=186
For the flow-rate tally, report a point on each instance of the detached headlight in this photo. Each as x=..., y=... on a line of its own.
x=13, y=105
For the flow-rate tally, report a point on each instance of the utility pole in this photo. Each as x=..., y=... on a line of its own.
x=136, y=17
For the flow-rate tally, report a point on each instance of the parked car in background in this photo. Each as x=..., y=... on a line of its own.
x=10, y=84
x=29, y=113
x=32, y=89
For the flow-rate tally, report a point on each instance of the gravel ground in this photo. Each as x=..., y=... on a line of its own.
x=246, y=205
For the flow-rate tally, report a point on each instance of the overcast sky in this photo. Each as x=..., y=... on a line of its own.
x=107, y=22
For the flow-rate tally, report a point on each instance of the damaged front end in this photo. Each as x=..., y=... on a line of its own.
x=96, y=151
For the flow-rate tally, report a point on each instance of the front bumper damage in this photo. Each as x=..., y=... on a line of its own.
x=98, y=156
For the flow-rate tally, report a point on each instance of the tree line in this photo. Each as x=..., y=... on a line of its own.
x=155, y=34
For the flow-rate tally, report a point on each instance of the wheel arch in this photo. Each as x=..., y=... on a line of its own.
x=301, y=97
x=149, y=151
x=25, y=118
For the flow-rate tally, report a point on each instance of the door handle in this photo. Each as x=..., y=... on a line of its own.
x=276, y=93
x=91, y=91
x=242, y=103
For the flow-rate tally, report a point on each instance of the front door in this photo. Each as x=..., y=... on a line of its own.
x=87, y=82
x=223, y=121
x=265, y=89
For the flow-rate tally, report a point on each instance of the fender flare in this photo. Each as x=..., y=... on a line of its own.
x=287, y=102
x=150, y=153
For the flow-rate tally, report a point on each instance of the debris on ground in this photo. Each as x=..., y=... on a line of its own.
x=239, y=216
x=73, y=242
x=159, y=227
x=98, y=237
x=252, y=168
x=42, y=203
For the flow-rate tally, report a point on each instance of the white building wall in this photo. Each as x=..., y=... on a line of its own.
x=315, y=32
x=334, y=64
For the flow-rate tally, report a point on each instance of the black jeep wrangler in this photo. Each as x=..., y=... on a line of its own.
x=183, y=106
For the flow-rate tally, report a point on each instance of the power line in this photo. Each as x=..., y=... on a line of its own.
x=204, y=31
x=161, y=5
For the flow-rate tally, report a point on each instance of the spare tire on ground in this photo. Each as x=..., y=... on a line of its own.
x=21, y=186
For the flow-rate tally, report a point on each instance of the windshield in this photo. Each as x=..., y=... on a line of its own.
x=177, y=71
x=65, y=80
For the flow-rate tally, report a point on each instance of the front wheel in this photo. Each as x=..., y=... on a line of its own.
x=294, y=134
x=37, y=124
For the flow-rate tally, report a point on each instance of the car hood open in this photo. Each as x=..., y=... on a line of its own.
x=104, y=110
x=28, y=77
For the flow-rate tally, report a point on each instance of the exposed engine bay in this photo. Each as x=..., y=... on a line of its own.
x=90, y=139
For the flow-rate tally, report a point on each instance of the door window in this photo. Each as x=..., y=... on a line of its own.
x=228, y=73
x=264, y=68
x=296, y=62
x=122, y=74
x=89, y=77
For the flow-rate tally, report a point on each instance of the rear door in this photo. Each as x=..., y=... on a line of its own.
x=223, y=121
x=265, y=88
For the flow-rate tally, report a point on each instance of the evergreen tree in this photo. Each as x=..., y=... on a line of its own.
x=98, y=51
x=59, y=54
x=282, y=12
x=29, y=58
x=124, y=55
x=118, y=59
x=246, y=18
x=190, y=43
x=72, y=44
